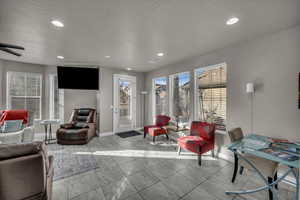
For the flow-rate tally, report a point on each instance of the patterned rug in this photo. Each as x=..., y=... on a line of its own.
x=68, y=163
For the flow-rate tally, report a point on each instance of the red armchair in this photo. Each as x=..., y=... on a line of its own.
x=14, y=115
x=160, y=122
x=200, y=140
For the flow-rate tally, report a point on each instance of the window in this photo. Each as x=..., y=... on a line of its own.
x=56, y=108
x=160, y=94
x=210, y=95
x=24, y=91
x=180, y=97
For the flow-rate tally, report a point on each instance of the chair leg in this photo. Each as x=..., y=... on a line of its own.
x=275, y=179
x=199, y=156
x=145, y=134
x=167, y=136
x=179, y=150
x=199, y=159
x=213, y=153
x=270, y=180
x=153, y=139
x=241, y=170
x=236, y=165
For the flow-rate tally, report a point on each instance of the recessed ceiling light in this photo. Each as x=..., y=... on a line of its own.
x=160, y=54
x=128, y=68
x=60, y=57
x=107, y=56
x=232, y=21
x=57, y=23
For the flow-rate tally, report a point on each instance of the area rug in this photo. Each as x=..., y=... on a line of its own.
x=128, y=134
x=67, y=163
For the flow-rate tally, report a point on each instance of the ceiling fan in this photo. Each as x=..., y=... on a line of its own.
x=7, y=48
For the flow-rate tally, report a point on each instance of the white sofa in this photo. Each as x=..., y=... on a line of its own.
x=23, y=136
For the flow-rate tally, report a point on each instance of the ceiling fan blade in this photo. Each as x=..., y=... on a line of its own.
x=4, y=45
x=10, y=51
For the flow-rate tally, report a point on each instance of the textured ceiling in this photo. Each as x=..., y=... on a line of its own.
x=133, y=31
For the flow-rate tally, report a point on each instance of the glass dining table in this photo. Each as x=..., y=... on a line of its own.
x=283, y=152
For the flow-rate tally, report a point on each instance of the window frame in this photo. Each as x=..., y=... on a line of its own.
x=9, y=97
x=51, y=99
x=170, y=92
x=196, y=102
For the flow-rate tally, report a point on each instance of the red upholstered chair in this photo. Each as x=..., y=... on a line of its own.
x=160, y=122
x=14, y=115
x=200, y=140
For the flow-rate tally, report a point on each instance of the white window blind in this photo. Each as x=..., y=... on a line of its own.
x=211, y=94
x=24, y=91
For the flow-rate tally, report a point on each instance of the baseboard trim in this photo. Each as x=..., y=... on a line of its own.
x=103, y=134
x=139, y=128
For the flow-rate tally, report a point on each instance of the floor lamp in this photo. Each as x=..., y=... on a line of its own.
x=250, y=91
x=144, y=93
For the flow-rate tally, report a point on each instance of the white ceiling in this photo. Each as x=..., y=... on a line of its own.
x=133, y=31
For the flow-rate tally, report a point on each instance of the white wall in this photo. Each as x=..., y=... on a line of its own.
x=76, y=98
x=272, y=62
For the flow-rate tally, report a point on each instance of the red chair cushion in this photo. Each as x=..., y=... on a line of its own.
x=161, y=120
x=192, y=143
x=191, y=139
x=157, y=131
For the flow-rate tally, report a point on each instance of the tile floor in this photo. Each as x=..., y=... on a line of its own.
x=135, y=169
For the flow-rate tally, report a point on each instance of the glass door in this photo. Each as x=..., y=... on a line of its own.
x=124, y=109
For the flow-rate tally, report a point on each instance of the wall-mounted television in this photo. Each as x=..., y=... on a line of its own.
x=82, y=78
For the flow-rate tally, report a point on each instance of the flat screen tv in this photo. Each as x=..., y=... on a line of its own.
x=81, y=78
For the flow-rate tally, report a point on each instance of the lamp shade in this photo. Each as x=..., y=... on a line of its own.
x=250, y=88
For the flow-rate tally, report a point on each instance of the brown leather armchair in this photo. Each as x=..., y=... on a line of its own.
x=80, y=130
x=26, y=172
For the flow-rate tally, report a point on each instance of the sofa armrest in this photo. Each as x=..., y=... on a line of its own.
x=92, y=125
x=67, y=125
x=28, y=134
x=49, y=181
x=50, y=169
x=11, y=138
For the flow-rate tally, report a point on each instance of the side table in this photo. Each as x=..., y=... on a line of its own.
x=48, y=129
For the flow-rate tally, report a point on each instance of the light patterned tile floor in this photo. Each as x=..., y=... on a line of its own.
x=136, y=169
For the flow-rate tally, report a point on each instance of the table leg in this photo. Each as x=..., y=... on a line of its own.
x=179, y=150
x=50, y=132
x=268, y=186
x=297, y=183
x=199, y=156
x=46, y=132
